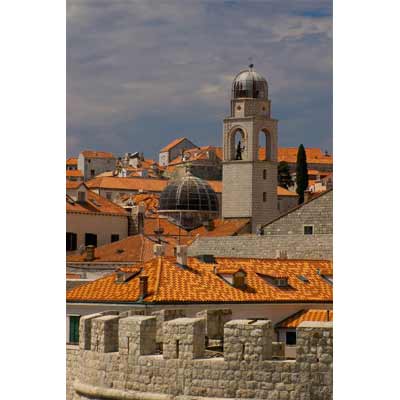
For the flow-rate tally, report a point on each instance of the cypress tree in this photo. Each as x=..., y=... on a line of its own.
x=301, y=173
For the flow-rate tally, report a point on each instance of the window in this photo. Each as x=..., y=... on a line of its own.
x=81, y=197
x=114, y=237
x=308, y=229
x=74, y=329
x=264, y=174
x=291, y=338
x=90, y=239
x=264, y=196
x=108, y=195
x=92, y=173
x=281, y=282
x=71, y=241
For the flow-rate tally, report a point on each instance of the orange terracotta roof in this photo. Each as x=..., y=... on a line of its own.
x=284, y=192
x=197, y=283
x=216, y=186
x=134, y=184
x=95, y=204
x=137, y=248
x=74, y=172
x=228, y=227
x=73, y=276
x=172, y=144
x=97, y=154
x=314, y=155
x=72, y=161
x=169, y=229
x=74, y=184
x=294, y=320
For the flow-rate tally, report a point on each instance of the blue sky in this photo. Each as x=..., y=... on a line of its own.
x=141, y=73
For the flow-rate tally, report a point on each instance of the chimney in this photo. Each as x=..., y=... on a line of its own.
x=143, y=284
x=239, y=279
x=89, y=253
x=181, y=254
x=209, y=224
x=159, y=250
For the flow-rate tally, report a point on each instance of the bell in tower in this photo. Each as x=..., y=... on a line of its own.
x=250, y=152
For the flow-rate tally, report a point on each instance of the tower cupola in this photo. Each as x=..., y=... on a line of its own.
x=249, y=84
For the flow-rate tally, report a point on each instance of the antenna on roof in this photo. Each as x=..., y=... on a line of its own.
x=81, y=249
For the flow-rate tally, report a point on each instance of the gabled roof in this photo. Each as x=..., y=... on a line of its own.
x=97, y=154
x=293, y=321
x=314, y=155
x=145, y=184
x=72, y=161
x=316, y=196
x=137, y=248
x=284, y=192
x=75, y=184
x=94, y=204
x=74, y=172
x=107, y=182
x=173, y=144
x=170, y=283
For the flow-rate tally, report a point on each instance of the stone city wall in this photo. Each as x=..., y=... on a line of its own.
x=118, y=358
x=308, y=247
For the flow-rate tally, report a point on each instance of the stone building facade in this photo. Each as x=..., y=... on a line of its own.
x=299, y=246
x=92, y=163
x=125, y=356
x=316, y=214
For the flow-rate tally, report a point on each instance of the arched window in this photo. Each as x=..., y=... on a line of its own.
x=237, y=144
x=264, y=146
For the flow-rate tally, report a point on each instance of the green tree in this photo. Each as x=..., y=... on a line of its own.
x=301, y=173
x=284, y=178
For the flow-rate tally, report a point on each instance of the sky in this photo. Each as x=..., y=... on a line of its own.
x=142, y=73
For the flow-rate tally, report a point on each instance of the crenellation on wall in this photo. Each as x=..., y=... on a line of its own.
x=166, y=315
x=187, y=369
x=184, y=338
x=104, y=333
x=248, y=340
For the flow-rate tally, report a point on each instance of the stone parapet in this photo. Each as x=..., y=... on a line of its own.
x=120, y=360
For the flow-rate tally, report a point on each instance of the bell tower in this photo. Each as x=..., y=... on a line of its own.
x=250, y=176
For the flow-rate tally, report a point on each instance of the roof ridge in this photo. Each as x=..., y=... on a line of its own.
x=158, y=277
x=296, y=207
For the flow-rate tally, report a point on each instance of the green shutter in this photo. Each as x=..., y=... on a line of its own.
x=74, y=329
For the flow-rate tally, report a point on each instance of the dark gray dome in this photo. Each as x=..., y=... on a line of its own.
x=250, y=84
x=188, y=193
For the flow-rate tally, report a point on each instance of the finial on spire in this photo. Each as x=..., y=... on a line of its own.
x=251, y=65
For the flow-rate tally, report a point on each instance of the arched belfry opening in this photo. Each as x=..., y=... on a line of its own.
x=237, y=145
x=264, y=146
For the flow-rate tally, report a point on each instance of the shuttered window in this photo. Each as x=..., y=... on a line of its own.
x=74, y=329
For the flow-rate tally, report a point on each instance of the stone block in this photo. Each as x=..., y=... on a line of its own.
x=184, y=338
x=248, y=340
x=137, y=336
x=104, y=334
